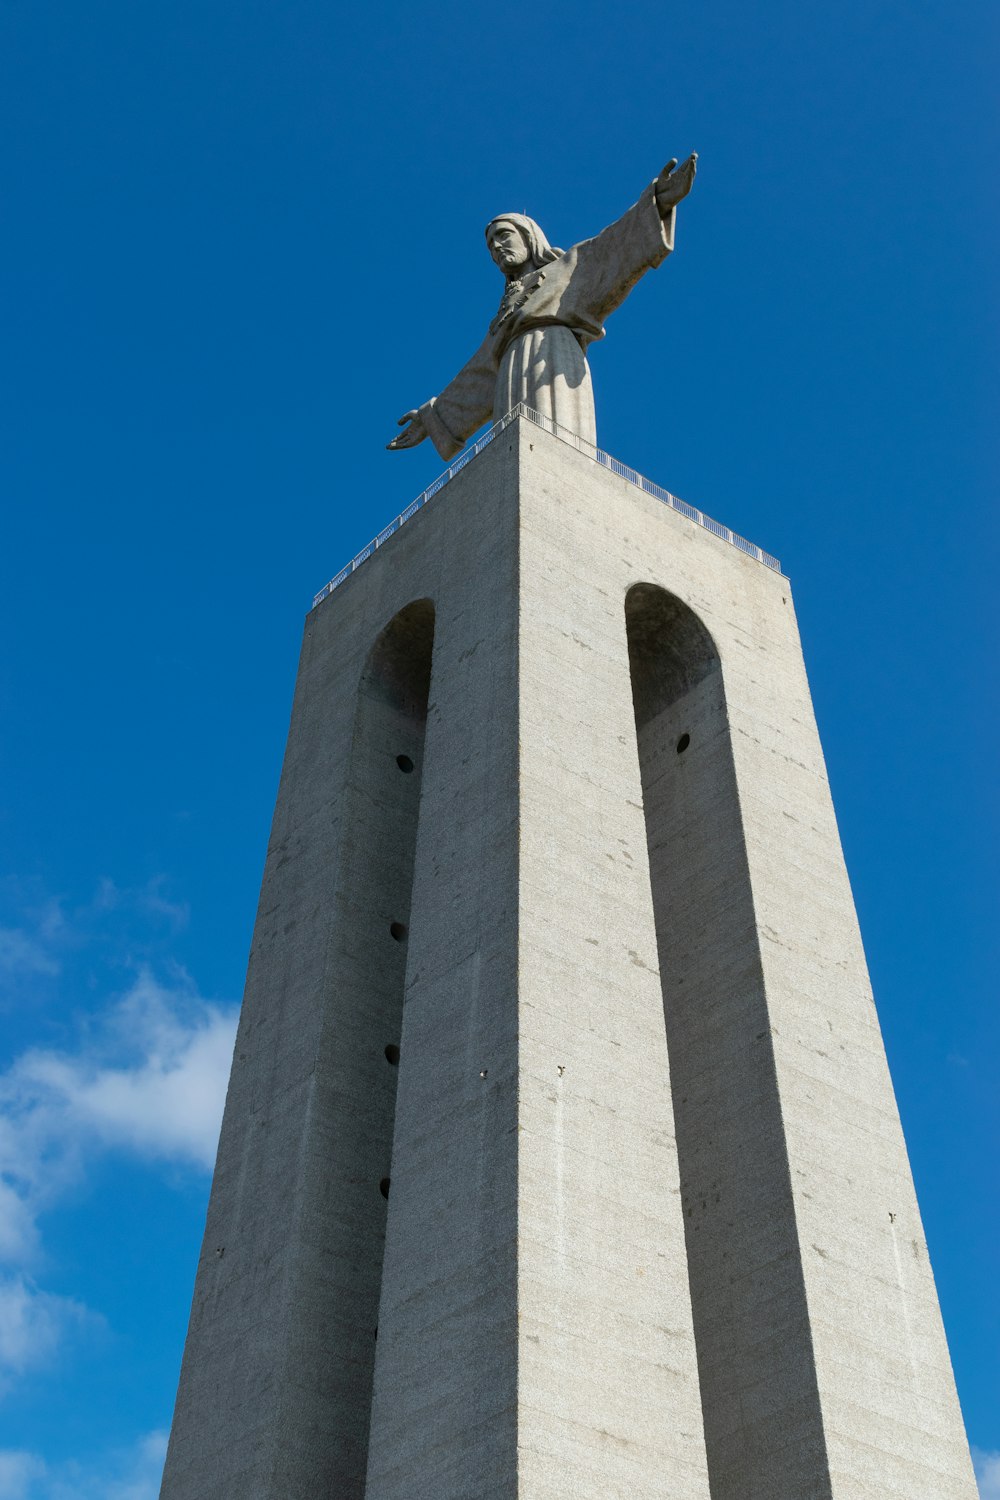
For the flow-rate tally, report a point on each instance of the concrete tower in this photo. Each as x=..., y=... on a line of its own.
x=560, y=1159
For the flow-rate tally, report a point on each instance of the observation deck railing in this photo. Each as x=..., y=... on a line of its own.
x=565, y=436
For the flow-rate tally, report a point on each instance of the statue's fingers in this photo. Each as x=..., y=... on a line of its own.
x=407, y=416
x=671, y=164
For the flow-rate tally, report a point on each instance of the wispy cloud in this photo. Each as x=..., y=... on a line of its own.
x=119, y=1053
x=987, y=1467
x=41, y=933
x=127, y=1474
x=33, y=1323
x=146, y=1076
x=22, y=952
x=151, y=900
x=149, y=1078
x=18, y=1472
x=18, y=1231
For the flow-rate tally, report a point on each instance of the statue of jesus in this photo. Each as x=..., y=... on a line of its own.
x=554, y=304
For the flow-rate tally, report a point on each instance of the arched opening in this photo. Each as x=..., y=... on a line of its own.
x=359, y=1074
x=755, y=1359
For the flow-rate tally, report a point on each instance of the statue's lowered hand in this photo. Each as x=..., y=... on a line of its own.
x=414, y=434
x=674, y=182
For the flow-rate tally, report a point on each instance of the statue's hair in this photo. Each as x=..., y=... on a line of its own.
x=540, y=250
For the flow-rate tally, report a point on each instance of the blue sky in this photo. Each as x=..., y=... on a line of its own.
x=242, y=238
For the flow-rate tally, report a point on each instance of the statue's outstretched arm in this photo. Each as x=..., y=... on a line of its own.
x=450, y=419
x=414, y=434
x=673, y=184
x=607, y=267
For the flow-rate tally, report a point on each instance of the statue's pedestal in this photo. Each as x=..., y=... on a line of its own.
x=567, y=843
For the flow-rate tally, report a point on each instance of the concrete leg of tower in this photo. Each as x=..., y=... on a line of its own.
x=650, y=1229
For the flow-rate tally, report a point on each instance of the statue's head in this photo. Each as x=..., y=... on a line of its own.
x=517, y=244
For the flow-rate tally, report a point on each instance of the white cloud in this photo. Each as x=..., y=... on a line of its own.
x=152, y=900
x=153, y=1081
x=987, y=1467
x=145, y=1470
x=129, y=1474
x=32, y=1325
x=18, y=1470
x=18, y=1230
x=149, y=899
x=147, y=1077
x=22, y=953
x=49, y=932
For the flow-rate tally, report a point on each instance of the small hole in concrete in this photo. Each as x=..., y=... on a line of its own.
x=398, y=930
x=404, y=763
x=392, y=1054
x=683, y=743
x=383, y=1187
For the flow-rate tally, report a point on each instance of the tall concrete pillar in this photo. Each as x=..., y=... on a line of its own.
x=560, y=1157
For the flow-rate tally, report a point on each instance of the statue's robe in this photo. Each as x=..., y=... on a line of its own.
x=535, y=349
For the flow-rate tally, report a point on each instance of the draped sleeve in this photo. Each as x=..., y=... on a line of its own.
x=464, y=404
x=600, y=272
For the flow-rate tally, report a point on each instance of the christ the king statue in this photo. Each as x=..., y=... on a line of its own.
x=554, y=304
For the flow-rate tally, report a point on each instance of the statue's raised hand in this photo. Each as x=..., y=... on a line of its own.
x=414, y=434
x=674, y=182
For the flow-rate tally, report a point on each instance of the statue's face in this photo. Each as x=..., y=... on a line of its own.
x=508, y=247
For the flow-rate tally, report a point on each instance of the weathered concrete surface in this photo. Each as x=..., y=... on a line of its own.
x=823, y=1362
x=547, y=1328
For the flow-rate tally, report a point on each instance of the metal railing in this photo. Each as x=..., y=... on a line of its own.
x=564, y=435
